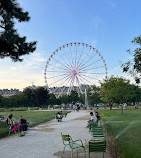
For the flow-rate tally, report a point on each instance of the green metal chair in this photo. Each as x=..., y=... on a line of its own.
x=97, y=146
x=72, y=144
x=92, y=124
x=96, y=127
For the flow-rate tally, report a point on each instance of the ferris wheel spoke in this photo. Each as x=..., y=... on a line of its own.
x=85, y=80
x=84, y=58
x=94, y=68
x=64, y=60
x=62, y=83
x=76, y=56
x=91, y=77
x=61, y=64
x=58, y=67
x=57, y=76
x=64, y=86
x=88, y=60
x=57, y=71
x=82, y=82
x=91, y=64
x=80, y=55
x=92, y=73
x=79, y=84
x=67, y=58
x=58, y=80
x=71, y=58
x=70, y=86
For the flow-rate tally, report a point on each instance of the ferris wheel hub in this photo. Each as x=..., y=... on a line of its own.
x=74, y=72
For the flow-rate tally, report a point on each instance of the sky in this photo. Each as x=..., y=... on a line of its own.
x=107, y=25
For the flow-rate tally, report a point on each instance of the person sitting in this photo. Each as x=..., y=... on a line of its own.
x=10, y=122
x=98, y=117
x=15, y=128
x=92, y=121
x=23, y=126
x=59, y=116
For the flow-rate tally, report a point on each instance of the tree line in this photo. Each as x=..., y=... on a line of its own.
x=113, y=90
x=37, y=97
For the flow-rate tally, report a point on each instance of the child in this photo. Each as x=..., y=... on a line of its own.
x=15, y=128
x=9, y=121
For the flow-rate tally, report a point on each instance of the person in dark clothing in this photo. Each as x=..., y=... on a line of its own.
x=23, y=125
x=98, y=117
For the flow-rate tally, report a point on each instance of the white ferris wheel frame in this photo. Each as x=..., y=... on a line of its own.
x=73, y=72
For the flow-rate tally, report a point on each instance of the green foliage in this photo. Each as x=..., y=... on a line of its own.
x=36, y=97
x=53, y=100
x=117, y=90
x=94, y=95
x=3, y=129
x=29, y=98
x=73, y=97
x=64, y=99
x=12, y=45
x=28, y=95
x=1, y=98
x=41, y=96
x=82, y=98
x=134, y=66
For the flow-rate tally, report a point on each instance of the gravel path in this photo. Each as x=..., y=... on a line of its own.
x=45, y=140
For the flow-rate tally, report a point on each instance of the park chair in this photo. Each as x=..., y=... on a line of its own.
x=96, y=129
x=72, y=144
x=97, y=146
x=91, y=125
x=97, y=133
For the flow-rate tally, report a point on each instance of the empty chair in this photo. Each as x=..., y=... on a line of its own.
x=97, y=146
x=72, y=144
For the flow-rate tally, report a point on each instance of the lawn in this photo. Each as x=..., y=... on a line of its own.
x=125, y=129
x=33, y=117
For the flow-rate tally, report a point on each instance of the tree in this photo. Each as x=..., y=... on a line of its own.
x=1, y=103
x=28, y=94
x=136, y=91
x=64, y=99
x=41, y=96
x=11, y=44
x=52, y=99
x=133, y=67
x=94, y=95
x=73, y=97
x=82, y=98
x=116, y=90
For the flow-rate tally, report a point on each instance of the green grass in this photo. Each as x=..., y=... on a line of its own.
x=126, y=128
x=33, y=117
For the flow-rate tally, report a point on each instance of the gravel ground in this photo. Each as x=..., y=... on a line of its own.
x=44, y=141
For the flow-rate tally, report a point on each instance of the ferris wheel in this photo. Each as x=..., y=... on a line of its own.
x=74, y=66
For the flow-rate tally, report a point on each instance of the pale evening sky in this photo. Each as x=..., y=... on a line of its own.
x=108, y=25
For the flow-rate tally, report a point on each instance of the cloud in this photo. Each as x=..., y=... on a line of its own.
x=20, y=75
